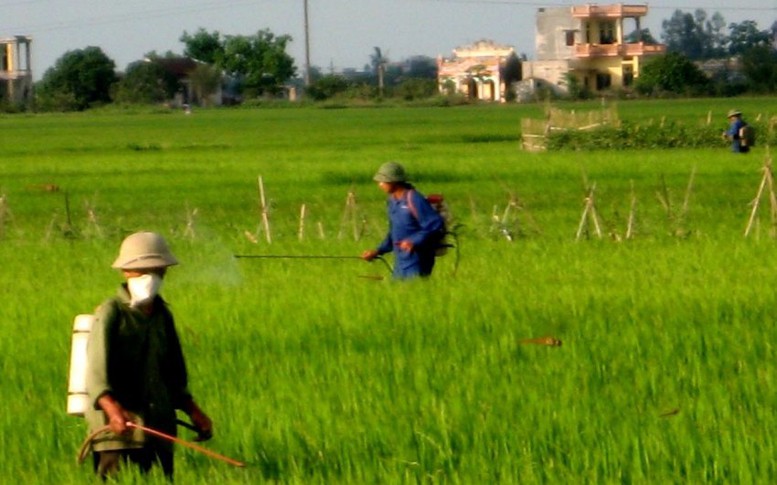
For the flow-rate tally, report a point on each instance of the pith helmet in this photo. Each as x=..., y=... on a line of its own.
x=390, y=172
x=144, y=250
x=734, y=112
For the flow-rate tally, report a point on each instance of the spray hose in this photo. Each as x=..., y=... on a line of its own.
x=86, y=446
x=298, y=256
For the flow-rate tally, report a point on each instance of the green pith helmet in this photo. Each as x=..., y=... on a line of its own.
x=734, y=112
x=144, y=250
x=390, y=172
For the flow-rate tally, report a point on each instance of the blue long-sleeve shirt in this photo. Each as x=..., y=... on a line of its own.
x=733, y=135
x=412, y=218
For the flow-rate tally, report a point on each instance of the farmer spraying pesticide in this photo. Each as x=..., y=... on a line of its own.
x=415, y=227
x=136, y=375
x=739, y=132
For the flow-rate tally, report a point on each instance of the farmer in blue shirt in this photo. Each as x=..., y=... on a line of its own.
x=733, y=133
x=415, y=227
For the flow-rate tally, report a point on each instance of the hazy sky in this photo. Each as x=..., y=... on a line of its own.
x=343, y=33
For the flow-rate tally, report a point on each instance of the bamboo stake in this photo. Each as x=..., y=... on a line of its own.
x=766, y=182
x=582, y=221
x=755, y=203
x=301, y=233
x=265, y=216
x=92, y=217
x=632, y=209
x=190, y=215
x=589, y=214
x=349, y=216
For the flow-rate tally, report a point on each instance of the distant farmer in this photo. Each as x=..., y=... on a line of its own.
x=736, y=132
x=414, y=229
x=136, y=369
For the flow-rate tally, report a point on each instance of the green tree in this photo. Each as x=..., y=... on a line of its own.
x=421, y=67
x=328, y=86
x=203, y=46
x=694, y=35
x=642, y=35
x=744, y=36
x=511, y=70
x=759, y=64
x=78, y=80
x=145, y=82
x=259, y=61
x=416, y=88
x=672, y=73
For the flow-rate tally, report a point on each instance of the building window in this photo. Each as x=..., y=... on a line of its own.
x=628, y=75
x=607, y=33
x=603, y=81
x=570, y=37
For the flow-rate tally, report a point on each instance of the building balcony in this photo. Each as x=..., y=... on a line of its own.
x=618, y=50
x=608, y=11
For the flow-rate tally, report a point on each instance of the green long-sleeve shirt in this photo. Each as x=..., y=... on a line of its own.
x=137, y=359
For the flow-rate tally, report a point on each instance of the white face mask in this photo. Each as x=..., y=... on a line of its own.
x=144, y=288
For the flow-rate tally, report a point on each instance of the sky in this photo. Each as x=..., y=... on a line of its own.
x=343, y=33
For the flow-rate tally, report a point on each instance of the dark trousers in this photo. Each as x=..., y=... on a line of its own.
x=107, y=463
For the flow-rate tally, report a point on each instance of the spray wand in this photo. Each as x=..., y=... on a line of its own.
x=305, y=256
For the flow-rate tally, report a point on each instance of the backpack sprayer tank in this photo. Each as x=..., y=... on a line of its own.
x=77, y=398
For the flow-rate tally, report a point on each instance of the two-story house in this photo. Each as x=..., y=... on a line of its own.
x=475, y=70
x=589, y=42
x=15, y=70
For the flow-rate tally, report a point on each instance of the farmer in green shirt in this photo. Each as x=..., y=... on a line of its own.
x=136, y=370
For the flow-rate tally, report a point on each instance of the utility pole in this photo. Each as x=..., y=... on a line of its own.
x=307, y=47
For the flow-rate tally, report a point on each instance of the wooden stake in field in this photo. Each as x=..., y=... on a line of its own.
x=190, y=215
x=510, y=219
x=351, y=215
x=301, y=231
x=767, y=183
x=676, y=220
x=321, y=233
x=632, y=211
x=92, y=218
x=589, y=215
x=264, y=211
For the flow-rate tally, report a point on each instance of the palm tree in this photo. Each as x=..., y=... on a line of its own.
x=379, y=65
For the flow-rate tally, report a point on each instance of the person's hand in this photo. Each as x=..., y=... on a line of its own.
x=202, y=422
x=406, y=245
x=116, y=414
x=370, y=254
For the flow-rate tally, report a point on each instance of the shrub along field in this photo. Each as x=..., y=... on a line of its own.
x=326, y=371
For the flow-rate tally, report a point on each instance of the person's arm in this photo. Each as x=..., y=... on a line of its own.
x=385, y=246
x=200, y=420
x=733, y=131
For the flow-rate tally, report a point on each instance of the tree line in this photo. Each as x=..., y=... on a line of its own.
x=257, y=67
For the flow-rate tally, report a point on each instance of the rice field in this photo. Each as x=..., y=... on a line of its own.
x=322, y=371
